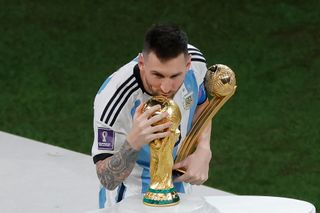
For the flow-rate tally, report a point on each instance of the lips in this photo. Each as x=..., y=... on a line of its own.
x=168, y=95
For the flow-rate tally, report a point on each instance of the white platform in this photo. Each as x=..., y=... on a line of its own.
x=187, y=204
x=259, y=204
x=215, y=204
x=37, y=177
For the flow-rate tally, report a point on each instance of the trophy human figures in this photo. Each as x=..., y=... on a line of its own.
x=161, y=191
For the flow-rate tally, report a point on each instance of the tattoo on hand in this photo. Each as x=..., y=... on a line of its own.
x=115, y=169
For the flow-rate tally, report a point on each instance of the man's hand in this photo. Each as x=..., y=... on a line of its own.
x=143, y=129
x=196, y=166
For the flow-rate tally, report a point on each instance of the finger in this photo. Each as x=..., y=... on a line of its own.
x=178, y=172
x=181, y=164
x=139, y=109
x=161, y=127
x=190, y=178
x=198, y=181
x=158, y=117
x=183, y=178
x=179, y=179
x=177, y=165
x=159, y=135
x=149, y=112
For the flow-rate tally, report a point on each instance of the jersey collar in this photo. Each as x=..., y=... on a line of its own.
x=136, y=73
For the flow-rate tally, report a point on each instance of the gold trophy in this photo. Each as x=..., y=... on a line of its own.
x=161, y=191
x=220, y=82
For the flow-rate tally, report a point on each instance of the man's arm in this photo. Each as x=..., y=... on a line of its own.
x=197, y=164
x=115, y=169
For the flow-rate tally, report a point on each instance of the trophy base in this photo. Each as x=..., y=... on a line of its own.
x=188, y=204
x=157, y=197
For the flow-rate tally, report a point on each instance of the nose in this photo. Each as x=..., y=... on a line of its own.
x=166, y=86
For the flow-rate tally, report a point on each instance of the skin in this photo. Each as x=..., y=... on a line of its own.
x=163, y=77
x=159, y=78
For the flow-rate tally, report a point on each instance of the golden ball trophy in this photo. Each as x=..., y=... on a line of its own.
x=220, y=83
x=161, y=191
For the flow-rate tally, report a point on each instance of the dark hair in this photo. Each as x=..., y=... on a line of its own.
x=166, y=41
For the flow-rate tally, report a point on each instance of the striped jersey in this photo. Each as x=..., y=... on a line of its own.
x=114, y=108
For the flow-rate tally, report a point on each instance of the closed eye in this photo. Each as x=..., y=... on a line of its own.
x=175, y=76
x=158, y=75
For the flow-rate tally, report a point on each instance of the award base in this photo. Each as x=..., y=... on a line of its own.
x=187, y=204
x=156, y=197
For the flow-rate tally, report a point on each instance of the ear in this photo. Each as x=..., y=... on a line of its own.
x=141, y=61
x=188, y=61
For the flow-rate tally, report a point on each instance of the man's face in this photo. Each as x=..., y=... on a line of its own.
x=163, y=77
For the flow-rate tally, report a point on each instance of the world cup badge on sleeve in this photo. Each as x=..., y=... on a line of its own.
x=105, y=139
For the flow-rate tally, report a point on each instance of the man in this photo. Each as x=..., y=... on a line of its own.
x=168, y=66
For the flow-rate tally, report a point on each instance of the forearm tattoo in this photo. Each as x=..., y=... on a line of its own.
x=115, y=169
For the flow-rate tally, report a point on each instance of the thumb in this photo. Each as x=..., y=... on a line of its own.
x=139, y=109
x=178, y=165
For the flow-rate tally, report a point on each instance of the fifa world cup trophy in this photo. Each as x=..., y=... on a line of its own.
x=161, y=191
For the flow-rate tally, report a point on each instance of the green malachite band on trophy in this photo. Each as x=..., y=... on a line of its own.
x=164, y=191
x=161, y=202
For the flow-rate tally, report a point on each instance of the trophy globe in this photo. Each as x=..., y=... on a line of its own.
x=220, y=80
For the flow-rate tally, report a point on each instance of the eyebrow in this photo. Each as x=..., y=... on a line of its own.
x=154, y=72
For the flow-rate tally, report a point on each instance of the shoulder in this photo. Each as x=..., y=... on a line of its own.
x=198, y=63
x=117, y=80
x=196, y=54
x=116, y=91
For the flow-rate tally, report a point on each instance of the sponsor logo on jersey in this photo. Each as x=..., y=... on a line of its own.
x=105, y=139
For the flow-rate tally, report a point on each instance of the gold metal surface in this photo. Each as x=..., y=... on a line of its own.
x=161, y=191
x=220, y=82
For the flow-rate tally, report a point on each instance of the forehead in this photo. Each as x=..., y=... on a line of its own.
x=177, y=64
x=153, y=57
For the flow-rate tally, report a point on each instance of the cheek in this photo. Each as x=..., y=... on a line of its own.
x=178, y=83
x=154, y=82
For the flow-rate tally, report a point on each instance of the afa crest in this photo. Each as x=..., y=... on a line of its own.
x=188, y=100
